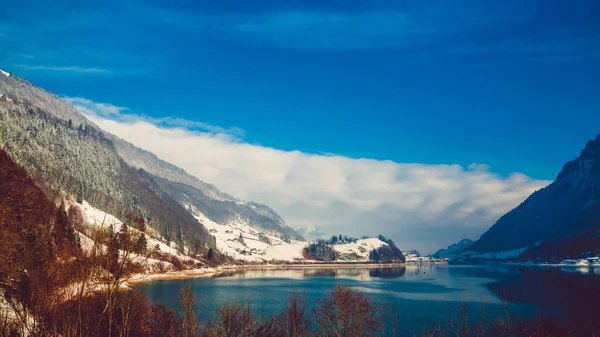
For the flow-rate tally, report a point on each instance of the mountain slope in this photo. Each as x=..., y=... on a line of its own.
x=567, y=207
x=125, y=184
x=225, y=211
x=82, y=162
x=218, y=206
x=454, y=249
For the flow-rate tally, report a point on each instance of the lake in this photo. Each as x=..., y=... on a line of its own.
x=424, y=295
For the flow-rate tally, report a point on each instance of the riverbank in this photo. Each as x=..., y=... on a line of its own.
x=172, y=275
x=209, y=272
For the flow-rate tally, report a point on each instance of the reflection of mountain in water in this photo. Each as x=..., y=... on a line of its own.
x=387, y=272
x=577, y=295
x=319, y=273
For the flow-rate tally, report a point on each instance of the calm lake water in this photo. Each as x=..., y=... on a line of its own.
x=425, y=295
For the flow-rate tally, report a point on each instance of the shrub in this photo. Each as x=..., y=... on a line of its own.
x=347, y=312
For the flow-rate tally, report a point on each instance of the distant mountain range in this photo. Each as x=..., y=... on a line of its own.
x=560, y=221
x=66, y=151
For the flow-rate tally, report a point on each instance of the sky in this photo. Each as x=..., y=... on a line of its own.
x=422, y=120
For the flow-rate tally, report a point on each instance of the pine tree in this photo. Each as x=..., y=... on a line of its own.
x=112, y=253
x=79, y=197
x=374, y=255
x=210, y=254
x=141, y=244
x=63, y=232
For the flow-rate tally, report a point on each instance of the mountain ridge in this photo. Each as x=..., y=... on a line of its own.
x=566, y=207
x=64, y=126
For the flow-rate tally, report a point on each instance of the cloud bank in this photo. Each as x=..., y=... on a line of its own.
x=419, y=206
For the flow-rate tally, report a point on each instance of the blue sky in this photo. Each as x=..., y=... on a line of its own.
x=510, y=84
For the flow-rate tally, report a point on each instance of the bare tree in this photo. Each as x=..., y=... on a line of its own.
x=190, y=312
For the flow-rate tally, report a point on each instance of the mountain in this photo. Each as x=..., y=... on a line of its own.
x=74, y=156
x=60, y=146
x=224, y=211
x=218, y=206
x=566, y=208
x=456, y=248
x=310, y=233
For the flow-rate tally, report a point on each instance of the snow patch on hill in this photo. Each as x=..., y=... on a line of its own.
x=244, y=243
x=98, y=219
x=4, y=73
x=358, y=251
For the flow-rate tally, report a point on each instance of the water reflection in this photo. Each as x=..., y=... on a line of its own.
x=426, y=293
x=576, y=294
x=320, y=273
x=360, y=274
x=387, y=273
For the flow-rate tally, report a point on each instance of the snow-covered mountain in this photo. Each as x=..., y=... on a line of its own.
x=244, y=243
x=50, y=138
x=217, y=205
x=310, y=232
x=55, y=142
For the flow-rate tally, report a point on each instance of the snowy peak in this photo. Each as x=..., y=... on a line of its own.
x=7, y=74
x=310, y=233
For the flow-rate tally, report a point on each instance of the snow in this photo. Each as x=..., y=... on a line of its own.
x=575, y=263
x=4, y=73
x=361, y=249
x=252, y=247
x=286, y=252
x=227, y=237
x=310, y=232
x=86, y=243
x=100, y=219
x=503, y=255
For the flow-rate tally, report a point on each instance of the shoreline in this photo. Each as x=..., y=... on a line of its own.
x=209, y=272
x=140, y=279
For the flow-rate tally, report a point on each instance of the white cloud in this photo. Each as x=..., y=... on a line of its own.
x=419, y=206
x=68, y=69
x=108, y=111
